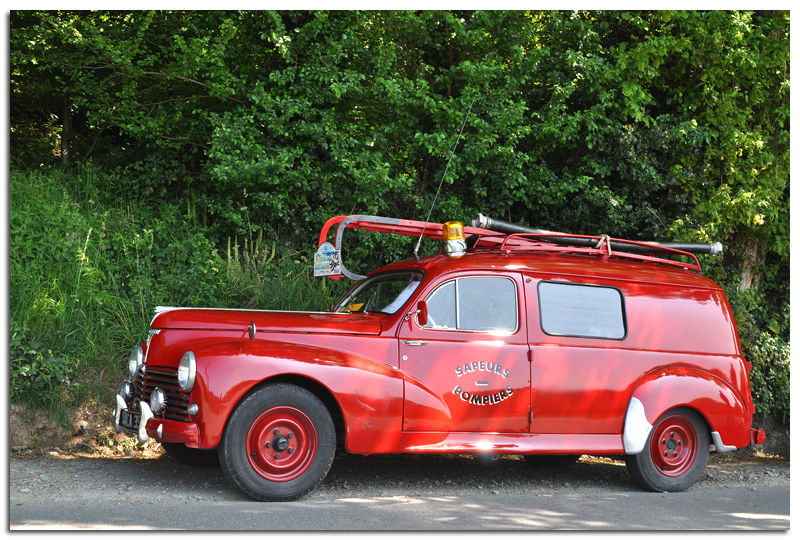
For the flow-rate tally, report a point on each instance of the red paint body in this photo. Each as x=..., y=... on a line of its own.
x=532, y=392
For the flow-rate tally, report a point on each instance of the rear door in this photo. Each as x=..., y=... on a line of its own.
x=582, y=369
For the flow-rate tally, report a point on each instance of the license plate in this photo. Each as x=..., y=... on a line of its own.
x=129, y=420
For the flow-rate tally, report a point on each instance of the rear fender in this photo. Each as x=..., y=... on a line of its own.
x=368, y=392
x=679, y=386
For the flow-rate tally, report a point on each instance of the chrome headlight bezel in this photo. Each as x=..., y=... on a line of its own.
x=187, y=372
x=135, y=360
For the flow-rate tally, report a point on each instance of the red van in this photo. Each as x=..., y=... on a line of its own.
x=500, y=344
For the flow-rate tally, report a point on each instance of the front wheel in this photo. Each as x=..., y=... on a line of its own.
x=279, y=443
x=675, y=454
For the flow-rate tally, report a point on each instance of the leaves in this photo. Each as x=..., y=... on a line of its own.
x=666, y=125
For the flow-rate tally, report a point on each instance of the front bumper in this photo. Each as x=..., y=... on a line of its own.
x=160, y=429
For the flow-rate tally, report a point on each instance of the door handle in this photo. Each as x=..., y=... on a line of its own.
x=414, y=342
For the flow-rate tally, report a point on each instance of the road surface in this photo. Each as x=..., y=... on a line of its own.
x=395, y=493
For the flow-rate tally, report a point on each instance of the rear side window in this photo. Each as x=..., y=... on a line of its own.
x=478, y=304
x=591, y=311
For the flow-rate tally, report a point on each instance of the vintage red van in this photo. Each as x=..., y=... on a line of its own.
x=500, y=344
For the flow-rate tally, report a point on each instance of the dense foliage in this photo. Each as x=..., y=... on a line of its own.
x=85, y=277
x=671, y=125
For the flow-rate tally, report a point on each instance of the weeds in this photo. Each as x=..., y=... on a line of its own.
x=85, y=276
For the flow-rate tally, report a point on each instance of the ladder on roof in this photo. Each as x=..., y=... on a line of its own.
x=603, y=245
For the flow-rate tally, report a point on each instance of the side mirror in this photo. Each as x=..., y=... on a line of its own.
x=422, y=313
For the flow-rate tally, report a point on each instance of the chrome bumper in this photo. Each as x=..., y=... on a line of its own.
x=146, y=414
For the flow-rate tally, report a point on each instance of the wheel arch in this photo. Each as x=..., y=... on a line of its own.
x=319, y=390
x=716, y=402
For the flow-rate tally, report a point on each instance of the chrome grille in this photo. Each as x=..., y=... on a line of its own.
x=149, y=378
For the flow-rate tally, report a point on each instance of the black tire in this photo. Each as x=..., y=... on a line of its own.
x=676, y=452
x=552, y=460
x=279, y=443
x=193, y=457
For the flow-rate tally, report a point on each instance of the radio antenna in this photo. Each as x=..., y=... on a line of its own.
x=419, y=241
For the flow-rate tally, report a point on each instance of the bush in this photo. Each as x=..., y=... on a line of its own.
x=36, y=375
x=769, y=378
x=764, y=338
x=85, y=275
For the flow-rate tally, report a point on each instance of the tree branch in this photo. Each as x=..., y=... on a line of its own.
x=187, y=79
x=174, y=99
x=185, y=141
x=94, y=142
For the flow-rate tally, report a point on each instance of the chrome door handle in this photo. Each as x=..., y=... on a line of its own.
x=414, y=342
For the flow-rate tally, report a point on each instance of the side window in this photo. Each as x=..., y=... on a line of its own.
x=479, y=304
x=591, y=311
x=442, y=307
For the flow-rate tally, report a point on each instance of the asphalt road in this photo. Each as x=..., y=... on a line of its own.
x=394, y=493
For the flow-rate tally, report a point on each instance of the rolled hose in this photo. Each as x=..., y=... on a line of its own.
x=486, y=222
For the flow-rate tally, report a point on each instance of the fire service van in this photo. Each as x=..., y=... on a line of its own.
x=509, y=341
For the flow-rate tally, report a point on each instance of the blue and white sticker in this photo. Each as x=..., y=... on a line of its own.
x=327, y=261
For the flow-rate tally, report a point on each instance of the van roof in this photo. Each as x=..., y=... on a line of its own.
x=558, y=264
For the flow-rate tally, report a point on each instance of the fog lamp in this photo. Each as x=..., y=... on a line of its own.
x=455, y=244
x=158, y=400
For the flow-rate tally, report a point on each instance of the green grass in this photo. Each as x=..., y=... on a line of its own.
x=85, y=275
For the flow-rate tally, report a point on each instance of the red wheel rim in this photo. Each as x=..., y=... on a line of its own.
x=281, y=444
x=674, y=446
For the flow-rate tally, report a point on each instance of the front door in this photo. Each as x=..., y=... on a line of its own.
x=467, y=368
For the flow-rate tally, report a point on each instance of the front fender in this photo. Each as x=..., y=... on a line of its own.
x=369, y=392
x=679, y=386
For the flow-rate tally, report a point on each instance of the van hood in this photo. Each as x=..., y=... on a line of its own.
x=269, y=321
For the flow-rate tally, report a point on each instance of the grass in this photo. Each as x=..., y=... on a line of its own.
x=85, y=275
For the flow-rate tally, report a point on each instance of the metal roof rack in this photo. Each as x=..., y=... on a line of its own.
x=492, y=239
x=601, y=248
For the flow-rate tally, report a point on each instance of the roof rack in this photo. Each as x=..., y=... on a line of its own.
x=490, y=239
x=602, y=248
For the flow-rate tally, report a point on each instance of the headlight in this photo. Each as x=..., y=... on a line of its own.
x=187, y=370
x=157, y=400
x=135, y=360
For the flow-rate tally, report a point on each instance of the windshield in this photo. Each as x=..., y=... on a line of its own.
x=383, y=293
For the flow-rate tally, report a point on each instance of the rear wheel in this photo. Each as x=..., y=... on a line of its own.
x=279, y=443
x=675, y=454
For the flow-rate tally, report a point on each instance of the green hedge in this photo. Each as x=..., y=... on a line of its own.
x=85, y=276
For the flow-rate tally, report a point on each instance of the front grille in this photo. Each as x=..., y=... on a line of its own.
x=148, y=378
